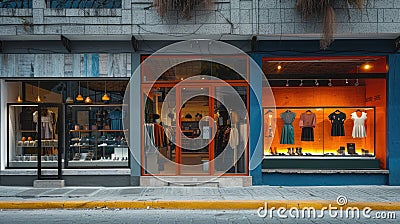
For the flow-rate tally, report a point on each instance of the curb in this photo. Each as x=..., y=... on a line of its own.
x=192, y=205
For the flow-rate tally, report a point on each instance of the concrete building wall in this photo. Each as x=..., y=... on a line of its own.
x=227, y=19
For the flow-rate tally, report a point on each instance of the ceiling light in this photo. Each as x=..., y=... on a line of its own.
x=301, y=83
x=88, y=99
x=38, y=93
x=330, y=82
x=105, y=96
x=316, y=83
x=19, y=98
x=79, y=97
x=367, y=66
x=287, y=82
x=69, y=100
x=279, y=67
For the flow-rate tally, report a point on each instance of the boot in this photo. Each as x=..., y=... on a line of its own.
x=289, y=152
x=300, y=151
x=297, y=151
x=275, y=151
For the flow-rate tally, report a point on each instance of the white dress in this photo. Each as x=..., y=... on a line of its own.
x=359, y=128
x=47, y=123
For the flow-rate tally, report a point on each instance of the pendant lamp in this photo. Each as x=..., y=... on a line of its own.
x=79, y=97
x=38, y=93
x=19, y=98
x=88, y=100
x=105, y=96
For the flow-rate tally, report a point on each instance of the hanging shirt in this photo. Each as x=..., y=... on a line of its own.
x=115, y=117
x=307, y=119
x=26, y=120
x=337, y=120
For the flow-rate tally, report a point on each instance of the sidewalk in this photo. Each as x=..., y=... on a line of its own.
x=375, y=197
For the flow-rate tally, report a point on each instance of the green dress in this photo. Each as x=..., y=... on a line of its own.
x=287, y=136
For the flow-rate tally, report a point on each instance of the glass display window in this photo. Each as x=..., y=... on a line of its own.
x=83, y=117
x=96, y=137
x=346, y=131
x=32, y=140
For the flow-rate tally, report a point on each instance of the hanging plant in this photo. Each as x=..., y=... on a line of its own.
x=324, y=8
x=185, y=7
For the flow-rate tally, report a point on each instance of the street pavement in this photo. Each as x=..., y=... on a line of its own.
x=151, y=216
x=263, y=193
x=292, y=199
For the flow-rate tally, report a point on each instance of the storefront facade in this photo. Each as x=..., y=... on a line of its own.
x=57, y=53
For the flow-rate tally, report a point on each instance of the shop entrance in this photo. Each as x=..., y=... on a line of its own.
x=195, y=130
x=198, y=129
x=49, y=127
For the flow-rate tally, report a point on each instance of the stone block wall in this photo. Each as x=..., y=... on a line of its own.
x=270, y=18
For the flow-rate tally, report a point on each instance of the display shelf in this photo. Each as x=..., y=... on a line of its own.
x=102, y=118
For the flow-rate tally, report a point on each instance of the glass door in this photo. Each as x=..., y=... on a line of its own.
x=194, y=130
x=49, y=126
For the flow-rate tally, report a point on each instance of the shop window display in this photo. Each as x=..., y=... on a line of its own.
x=96, y=137
x=88, y=129
x=323, y=131
x=24, y=138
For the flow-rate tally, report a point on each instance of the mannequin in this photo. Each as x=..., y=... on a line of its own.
x=47, y=122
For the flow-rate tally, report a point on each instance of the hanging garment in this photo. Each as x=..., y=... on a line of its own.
x=307, y=125
x=26, y=119
x=358, y=127
x=149, y=137
x=337, y=120
x=159, y=140
x=269, y=124
x=234, y=138
x=116, y=119
x=47, y=130
x=287, y=136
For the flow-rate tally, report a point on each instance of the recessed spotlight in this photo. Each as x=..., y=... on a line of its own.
x=367, y=66
x=279, y=67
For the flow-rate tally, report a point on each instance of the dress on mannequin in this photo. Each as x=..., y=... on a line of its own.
x=47, y=122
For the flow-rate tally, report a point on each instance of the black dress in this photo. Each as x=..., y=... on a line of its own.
x=337, y=119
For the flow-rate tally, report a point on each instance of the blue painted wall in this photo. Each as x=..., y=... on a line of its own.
x=393, y=131
x=256, y=147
